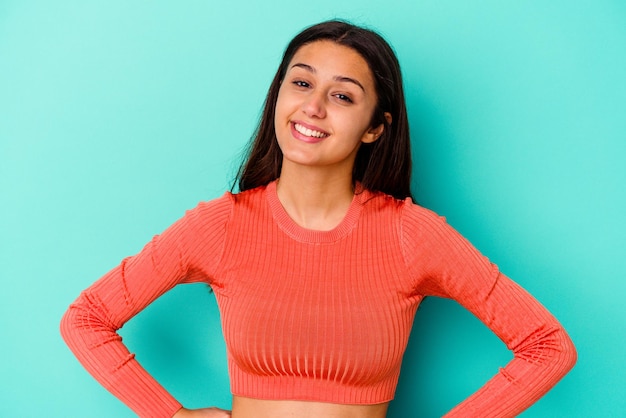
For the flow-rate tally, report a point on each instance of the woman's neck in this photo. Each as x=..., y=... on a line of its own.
x=313, y=199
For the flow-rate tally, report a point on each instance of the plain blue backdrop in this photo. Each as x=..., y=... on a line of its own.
x=117, y=116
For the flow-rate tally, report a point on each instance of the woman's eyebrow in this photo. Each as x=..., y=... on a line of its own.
x=339, y=78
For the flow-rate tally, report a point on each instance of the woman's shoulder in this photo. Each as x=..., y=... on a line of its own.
x=226, y=208
x=415, y=223
x=223, y=202
x=405, y=208
x=228, y=200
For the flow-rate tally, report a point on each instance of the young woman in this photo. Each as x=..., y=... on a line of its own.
x=321, y=259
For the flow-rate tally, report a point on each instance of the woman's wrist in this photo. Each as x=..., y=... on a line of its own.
x=181, y=413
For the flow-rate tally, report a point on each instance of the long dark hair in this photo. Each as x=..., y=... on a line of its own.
x=385, y=164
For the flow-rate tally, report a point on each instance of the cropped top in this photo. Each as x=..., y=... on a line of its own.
x=316, y=315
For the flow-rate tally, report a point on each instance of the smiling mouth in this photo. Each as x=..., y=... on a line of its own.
x=309, y=132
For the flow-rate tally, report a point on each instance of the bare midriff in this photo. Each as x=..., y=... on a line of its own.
x=259, y=408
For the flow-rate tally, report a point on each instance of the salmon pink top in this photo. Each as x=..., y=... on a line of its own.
x=317, y=315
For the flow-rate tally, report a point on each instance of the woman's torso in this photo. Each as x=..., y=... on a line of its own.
x=317, y=315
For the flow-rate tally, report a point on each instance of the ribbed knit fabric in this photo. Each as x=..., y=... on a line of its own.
x=317, y=315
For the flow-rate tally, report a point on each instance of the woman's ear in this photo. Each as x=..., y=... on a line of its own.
x=375, y=132
x=388, y=117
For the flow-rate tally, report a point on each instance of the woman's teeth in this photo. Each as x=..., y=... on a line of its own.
x=309, y=132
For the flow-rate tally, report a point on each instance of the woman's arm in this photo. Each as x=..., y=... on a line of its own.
x=543, y=352
x=444, y=264
x=90, y=325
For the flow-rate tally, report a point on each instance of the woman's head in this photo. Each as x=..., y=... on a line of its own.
x=382, y=165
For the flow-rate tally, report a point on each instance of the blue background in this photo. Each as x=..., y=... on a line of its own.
x=117, y=116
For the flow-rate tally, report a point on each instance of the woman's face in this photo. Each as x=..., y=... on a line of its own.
x=324, y=107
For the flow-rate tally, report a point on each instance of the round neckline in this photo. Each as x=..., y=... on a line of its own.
x=313, y=236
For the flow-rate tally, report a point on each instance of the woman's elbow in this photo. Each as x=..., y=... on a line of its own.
x=568, y=353
x=68, y=325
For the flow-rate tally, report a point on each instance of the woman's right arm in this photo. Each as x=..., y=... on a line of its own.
x=90, y=325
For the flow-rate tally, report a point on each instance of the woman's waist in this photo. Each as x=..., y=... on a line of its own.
x=244, y=407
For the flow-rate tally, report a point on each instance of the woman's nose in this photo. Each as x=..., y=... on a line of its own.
x=315, y=105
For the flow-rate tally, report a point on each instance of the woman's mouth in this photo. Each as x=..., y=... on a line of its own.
x=307, y=134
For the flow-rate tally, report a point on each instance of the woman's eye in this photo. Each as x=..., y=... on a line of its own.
x=343, y=98
x=301, y=83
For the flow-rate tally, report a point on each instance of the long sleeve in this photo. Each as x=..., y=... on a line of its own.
x=186, y=252
x=444, y=264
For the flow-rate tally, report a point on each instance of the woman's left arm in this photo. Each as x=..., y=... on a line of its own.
x=543, y=352
x=445, y=264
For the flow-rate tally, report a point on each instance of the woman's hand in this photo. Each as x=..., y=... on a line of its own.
x=212, y=412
